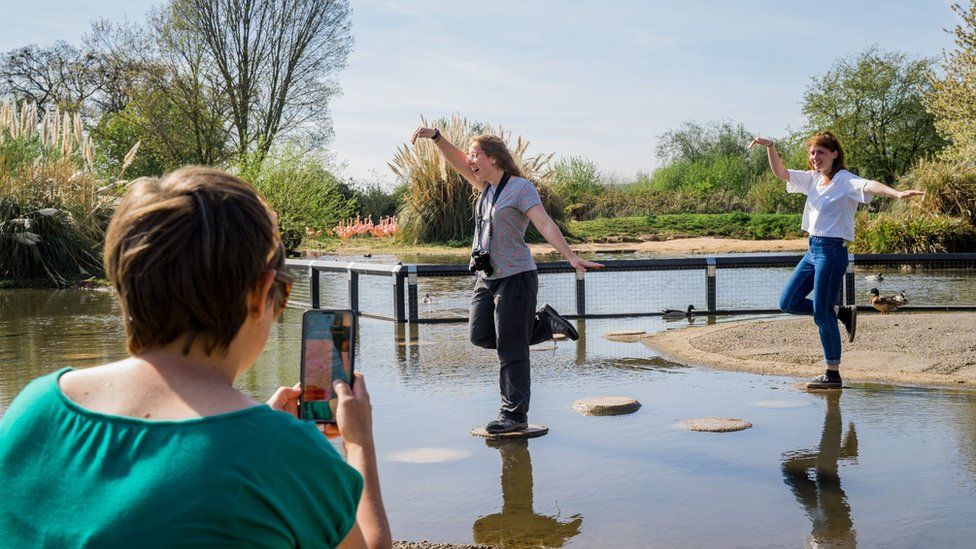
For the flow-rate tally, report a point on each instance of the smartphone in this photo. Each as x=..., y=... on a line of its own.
x=328, y=348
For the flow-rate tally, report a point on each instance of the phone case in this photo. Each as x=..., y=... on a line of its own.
x=319, y=357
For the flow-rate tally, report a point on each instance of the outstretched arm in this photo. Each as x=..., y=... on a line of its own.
x=455, y=156
x=878, y=188
x=774, y=160
x=550, y=231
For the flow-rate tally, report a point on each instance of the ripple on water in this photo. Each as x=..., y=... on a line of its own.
x=429, y=455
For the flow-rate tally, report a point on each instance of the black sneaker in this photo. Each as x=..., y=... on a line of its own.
x=505, y=425
x=558, y=324
x=824, y=382
x=848, y=317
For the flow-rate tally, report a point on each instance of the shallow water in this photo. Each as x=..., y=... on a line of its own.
x=879, y=465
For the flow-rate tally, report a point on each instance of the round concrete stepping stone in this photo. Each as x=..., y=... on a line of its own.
x=715, y=424
x=532, y=431
x=429, y=455
x=625, y=333
x=606, y=406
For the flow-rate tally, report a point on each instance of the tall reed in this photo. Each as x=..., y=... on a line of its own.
x=438, y=204
x=52, y=215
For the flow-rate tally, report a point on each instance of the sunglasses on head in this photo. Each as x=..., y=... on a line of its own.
x=282, y=279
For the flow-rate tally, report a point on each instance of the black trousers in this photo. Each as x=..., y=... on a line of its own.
x=503, y=318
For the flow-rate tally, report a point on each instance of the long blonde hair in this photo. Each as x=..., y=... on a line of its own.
x=495, y=148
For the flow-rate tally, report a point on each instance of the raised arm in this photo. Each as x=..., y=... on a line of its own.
x=455, y=156
x=878, y=188
x=774, y=160
x=550, y=231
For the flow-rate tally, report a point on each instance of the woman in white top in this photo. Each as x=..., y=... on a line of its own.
x=833, y=194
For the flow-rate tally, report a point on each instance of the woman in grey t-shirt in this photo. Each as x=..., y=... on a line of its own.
x=503, y=315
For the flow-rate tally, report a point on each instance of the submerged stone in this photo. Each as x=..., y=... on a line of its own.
x=606, y=406
x=715, y=424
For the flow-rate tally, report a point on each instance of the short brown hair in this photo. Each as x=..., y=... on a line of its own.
x=183, y=251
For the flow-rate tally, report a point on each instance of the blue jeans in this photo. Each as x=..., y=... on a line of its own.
x=822, y=271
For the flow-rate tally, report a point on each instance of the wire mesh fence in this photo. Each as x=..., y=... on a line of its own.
x=638, y=287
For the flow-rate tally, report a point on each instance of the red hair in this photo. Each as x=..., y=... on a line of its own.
x=828, y=141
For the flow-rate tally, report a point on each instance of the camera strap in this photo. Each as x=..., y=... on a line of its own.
x=481, y=208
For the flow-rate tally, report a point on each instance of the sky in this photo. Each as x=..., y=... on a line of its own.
x=600, y=80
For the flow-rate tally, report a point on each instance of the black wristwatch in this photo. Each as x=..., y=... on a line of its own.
x=436, y=136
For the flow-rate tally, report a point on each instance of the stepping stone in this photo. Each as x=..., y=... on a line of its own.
x=606, y=406
x=532, y=431
x=625, y=333
x=429, y=455
x=715, y=424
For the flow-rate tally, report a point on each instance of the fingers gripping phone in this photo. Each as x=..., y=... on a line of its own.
x=328, y=348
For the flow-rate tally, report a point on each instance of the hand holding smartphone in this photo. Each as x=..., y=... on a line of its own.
x=328, y=351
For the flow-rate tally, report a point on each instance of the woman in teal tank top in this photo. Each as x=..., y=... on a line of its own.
x=159, y=449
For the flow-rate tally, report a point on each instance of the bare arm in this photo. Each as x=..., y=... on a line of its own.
x=455, y=156
x=550, y=231
x=878, y=188
x=775, y=162
x=354, y=418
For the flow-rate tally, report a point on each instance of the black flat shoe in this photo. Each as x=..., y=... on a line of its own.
x=558, y=324
x=848, y=317
x=505, y=425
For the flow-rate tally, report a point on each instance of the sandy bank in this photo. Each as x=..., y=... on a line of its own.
x=929, y=349
x=701, y=245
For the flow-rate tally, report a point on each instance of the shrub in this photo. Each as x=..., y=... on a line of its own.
x=902, y=233
x=302, y=191
x=578, y=183
x=950, y=189
x=768, y=195
x=52, y=214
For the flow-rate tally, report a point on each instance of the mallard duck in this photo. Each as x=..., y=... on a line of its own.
x=887, y=303
x=427, y=299
x=677, y=313
x=878, y=277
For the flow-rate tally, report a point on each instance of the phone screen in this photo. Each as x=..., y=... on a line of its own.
x=327, y=355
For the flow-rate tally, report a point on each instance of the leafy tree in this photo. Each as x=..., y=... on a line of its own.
x=873, y=103
x=694, y=141
x=272, y=58
x=952, y=98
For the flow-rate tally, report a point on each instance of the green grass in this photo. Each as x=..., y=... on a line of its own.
x=731, y=225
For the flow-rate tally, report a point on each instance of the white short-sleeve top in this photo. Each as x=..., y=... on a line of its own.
x=829, y=210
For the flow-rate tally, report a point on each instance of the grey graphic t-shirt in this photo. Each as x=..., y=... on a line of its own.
x=509, y=254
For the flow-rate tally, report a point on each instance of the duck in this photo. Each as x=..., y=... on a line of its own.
x=878, y=277
x=887, y=303
x=427, y=299
x=677, y=313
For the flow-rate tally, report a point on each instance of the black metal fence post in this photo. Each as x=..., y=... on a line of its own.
x=412, y=312
x=711, y=270
x=314, y=280
x=849, y=297
x=353, y=290
x=399, y=312
x=580, y=292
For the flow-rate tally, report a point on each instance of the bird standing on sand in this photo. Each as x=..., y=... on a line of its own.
x=887, y=303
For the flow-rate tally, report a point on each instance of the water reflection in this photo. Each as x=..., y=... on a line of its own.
x=518, y=525
x=822, y=496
